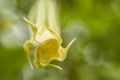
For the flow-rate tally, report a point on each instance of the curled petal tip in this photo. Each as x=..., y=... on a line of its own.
x=30, y=63
x=24, y=18
x=69, y=45
x=56, y=66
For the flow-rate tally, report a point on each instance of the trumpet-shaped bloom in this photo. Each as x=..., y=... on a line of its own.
x=47, y=41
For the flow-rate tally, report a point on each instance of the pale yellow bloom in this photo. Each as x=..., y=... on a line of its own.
x=45, y=37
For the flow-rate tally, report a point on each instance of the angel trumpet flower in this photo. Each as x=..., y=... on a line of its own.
x=45, y=35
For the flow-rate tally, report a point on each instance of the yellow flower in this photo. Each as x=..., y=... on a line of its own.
x=45, y=37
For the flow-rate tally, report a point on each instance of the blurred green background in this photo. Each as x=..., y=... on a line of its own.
x=95, y=55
